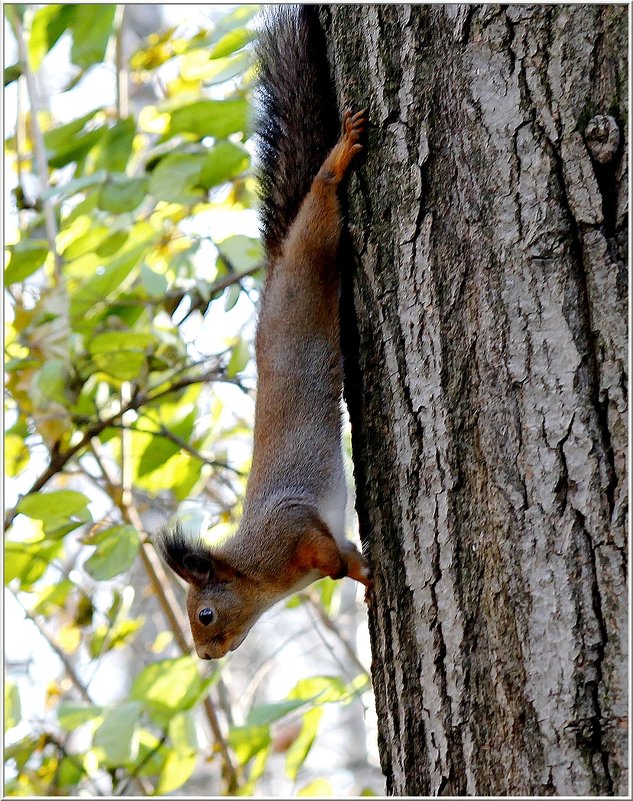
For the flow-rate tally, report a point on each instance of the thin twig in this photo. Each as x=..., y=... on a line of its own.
x=139, y=765
x=330, y=625
x=70, y=670
x=38, y=139
x=122, y=84
x=198, y=302
x=126, y=445
x=328, y=646
x=163, y=431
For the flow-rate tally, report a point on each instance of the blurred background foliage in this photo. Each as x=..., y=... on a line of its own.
x=133, y=269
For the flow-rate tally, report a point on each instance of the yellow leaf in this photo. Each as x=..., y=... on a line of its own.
x=318, y=788
x=161, y=642
x=68, y=638
x=16, y=454
x=53, y=694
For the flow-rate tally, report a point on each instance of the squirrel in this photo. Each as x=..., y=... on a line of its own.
x=292, y=528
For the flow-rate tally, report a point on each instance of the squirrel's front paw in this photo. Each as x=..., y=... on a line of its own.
x=357, y=566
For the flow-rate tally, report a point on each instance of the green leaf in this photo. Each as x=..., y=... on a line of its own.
x=114, y=554
x=71, y=716
x=12, y=73
x=168, y=687
x=239, y=358
x=28, y=561
x=175, y=178
x=180, y=761
x=122, y=355
x=218, y=118
x=224, y=161
x=60, y=136
x=232, y=296
x=69, y=772
x=243, y=253
x=114, y=151
x=91, y=27
x=47, y=25
x=112, y=243
x=12, y=708
x=267, y=713
x=329, y=689
x=106, y=284
x=52, y=597
x=182, y=732
x=151, y=754
x=113, y=341
x=120, y=194
x=160, y=449
x=154, y=283
x=232, y=41
x=246, y=741
x=114, y=739
x=223, y=69
x=197, y=66
x=21, y=752
x=72, y=187
x=86, y=241
x=51, y=381
x=176, y=770
x=54, y=508
x=75, y=147
x=27, y=256
x=237, y=17
x=327, y=590
x=300, y=749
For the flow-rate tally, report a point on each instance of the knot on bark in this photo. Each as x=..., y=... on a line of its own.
x=602, y=136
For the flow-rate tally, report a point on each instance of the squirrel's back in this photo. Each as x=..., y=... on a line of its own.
x=298, y=121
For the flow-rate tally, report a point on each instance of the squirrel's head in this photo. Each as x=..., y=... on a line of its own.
x=222, y=603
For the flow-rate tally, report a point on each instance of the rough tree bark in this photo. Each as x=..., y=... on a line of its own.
x=486, y=359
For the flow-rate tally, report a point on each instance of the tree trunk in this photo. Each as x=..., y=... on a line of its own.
x=485, y=319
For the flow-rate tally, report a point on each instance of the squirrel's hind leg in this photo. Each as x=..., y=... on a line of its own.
x=340, y=157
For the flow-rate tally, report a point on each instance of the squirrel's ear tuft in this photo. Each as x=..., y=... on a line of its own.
x=189, y=558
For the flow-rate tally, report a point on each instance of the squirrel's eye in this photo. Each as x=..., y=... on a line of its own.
x=206, y=616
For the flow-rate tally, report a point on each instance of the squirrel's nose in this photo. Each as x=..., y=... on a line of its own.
x=202, y=653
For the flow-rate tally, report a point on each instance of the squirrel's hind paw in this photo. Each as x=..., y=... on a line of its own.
x=354, y=125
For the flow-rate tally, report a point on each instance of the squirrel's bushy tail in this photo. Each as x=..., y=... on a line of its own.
x=297, y=117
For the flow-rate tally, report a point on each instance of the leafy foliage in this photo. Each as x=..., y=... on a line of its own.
x=112, y=272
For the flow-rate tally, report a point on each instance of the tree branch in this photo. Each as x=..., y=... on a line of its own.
x=175, y=298
x=38, y=139
x=59, y=459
